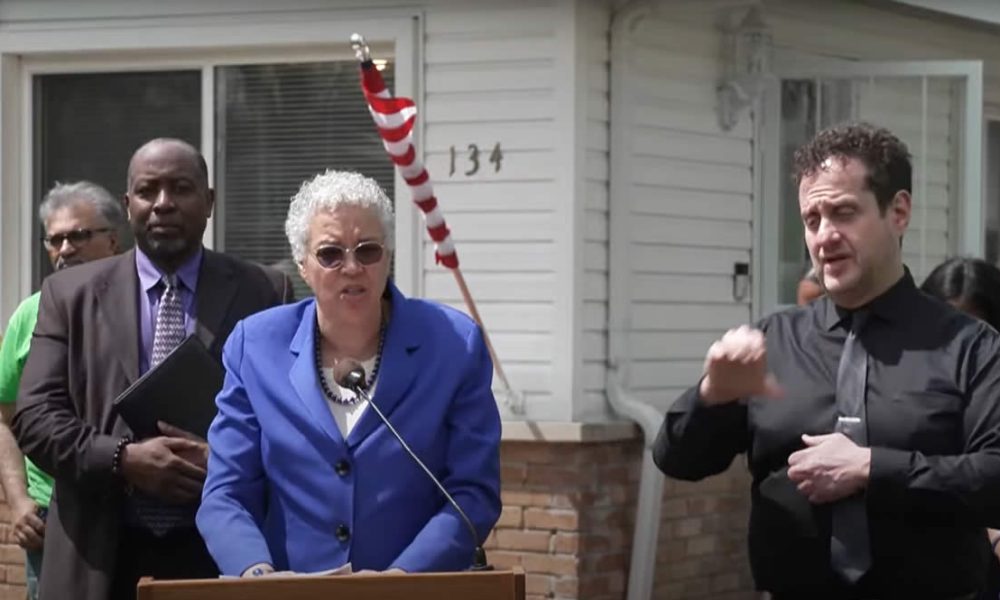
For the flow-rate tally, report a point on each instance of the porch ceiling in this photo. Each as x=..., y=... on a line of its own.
x=986, y=11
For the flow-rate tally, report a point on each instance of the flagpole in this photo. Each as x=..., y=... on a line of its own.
x=450, y=260
x=471, y=304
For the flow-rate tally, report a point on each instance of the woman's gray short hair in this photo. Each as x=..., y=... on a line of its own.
x=328, y=191
x=68, y=194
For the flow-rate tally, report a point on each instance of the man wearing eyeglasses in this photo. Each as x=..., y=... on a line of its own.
x=82, y=222
x=124, y=508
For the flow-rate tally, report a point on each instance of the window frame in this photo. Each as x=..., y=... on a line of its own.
x=201, y=43
x=991, y=117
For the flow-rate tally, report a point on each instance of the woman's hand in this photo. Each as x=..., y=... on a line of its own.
x=370, y=572
x=258, y=570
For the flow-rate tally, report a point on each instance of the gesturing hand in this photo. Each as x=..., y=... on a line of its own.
x=157, y=466
x=830, y=467
x=736, y=367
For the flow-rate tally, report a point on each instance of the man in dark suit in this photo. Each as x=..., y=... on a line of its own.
x=123, y=508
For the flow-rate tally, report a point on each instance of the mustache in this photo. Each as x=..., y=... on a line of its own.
x=64, y=263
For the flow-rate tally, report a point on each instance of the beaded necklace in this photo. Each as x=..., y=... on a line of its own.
x=369, y=380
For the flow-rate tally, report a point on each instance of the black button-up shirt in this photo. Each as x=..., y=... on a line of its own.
x=933, y=418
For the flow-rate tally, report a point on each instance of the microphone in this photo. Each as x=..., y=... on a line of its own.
x=351, y=375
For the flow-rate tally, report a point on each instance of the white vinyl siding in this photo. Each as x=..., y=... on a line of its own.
x=879, y=34
x=684, y=206
x=485, y=73
x=489, y=78
x=593, y=56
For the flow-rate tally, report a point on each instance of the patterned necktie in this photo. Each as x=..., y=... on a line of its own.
x=850, y=550
x=169, y=332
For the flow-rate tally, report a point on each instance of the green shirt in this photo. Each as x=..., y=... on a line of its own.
x=13, y=354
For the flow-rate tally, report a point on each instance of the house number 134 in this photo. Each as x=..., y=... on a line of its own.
x=472, y=157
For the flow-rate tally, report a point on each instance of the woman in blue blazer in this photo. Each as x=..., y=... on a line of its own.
x=302, y=474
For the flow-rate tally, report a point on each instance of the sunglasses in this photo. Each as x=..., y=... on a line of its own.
x=333, y=257
x=76, y=238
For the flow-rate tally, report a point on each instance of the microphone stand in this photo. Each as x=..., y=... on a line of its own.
x=355, y=381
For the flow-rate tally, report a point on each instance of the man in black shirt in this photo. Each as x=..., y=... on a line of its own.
x=870, y=417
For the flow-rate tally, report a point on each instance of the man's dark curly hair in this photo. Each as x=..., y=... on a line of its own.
x=884, y=155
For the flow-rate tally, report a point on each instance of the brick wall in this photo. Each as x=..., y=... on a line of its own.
x=703, y=529
x=567, y=517
x=568, y=521
x=11, y=558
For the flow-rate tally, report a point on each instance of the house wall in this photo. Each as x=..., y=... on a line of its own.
x=530, y=234
x=681, y=217
x=11, y=558
x=683, y=208
x=573, y=268
x=682, y=199
x=681, y=203
x=898, y=33
x=569, y=516
x=883, y=32
x=492, y=75
x=592, y=174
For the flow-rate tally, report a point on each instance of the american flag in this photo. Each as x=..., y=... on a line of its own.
x=394, y=118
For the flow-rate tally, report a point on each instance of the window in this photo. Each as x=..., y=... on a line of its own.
x=936, y=110
x=992, y=190
x=88, y=125
x=275, y=125
x=806, y=108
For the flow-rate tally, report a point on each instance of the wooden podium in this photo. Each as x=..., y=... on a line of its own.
x=481, y=585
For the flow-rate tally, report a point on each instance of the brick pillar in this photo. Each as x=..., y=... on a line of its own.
x=568, y=511
x=703, y=539
x=567, y=516
x=11, y=558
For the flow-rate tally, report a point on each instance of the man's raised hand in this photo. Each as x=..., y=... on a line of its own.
x=736, y=367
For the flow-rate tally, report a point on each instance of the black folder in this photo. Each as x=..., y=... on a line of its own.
x=180, y=390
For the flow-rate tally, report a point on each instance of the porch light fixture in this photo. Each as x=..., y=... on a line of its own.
x=748, y=66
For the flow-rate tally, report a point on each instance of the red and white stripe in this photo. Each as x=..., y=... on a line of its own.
x=394, y=118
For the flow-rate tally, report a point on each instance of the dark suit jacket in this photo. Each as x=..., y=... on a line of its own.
x=85, y=351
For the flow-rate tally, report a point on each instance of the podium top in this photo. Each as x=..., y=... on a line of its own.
x=481, y=585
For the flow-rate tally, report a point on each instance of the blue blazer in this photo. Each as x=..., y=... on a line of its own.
x=284, y=487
